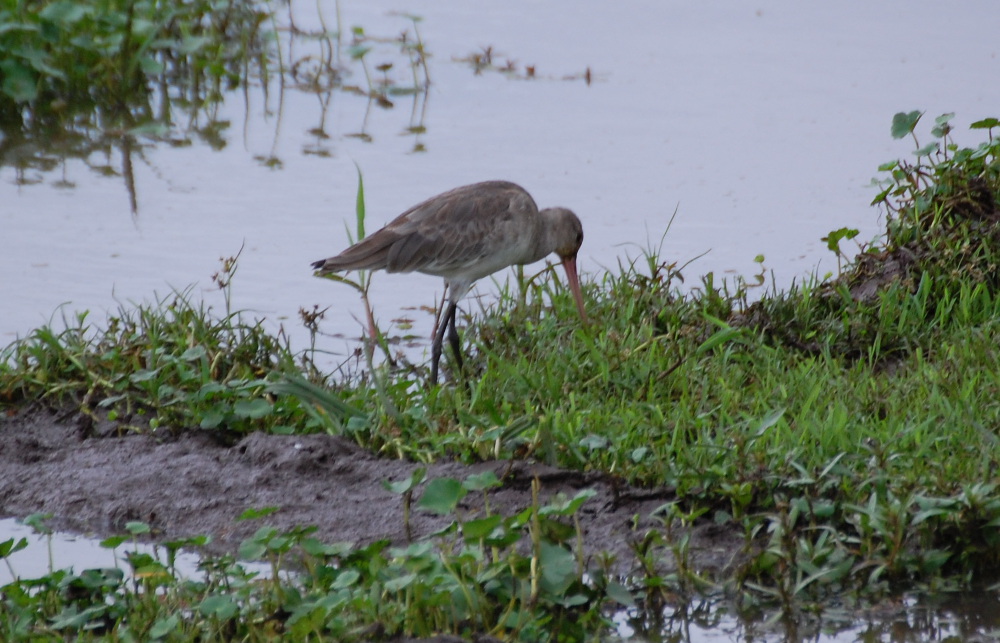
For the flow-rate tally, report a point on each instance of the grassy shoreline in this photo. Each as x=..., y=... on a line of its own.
x=847, y=428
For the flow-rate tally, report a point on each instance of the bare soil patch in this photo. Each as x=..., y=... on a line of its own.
x=188, y=483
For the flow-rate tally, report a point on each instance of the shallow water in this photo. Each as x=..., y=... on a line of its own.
x=964, y=617
x=62, y=550
x=909, y=619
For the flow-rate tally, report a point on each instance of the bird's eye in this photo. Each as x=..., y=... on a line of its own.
x=579, y=238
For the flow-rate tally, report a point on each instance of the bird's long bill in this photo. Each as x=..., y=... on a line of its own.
x=569, y=264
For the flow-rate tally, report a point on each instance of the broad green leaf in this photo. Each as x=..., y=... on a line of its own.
x=252, y=550
x=834, y=237
x=143, y=376
x=39, y=61
x=346, y=579
x=358, y=52
x=137, y=528
x=558, y=567
x=19, y=82
x=11, y=27
x=442, y=495
x=400, y=583
x=481, y=481
x=903, y=123
x=212, y=418
x=150, y=65
x=563, y=506
x=37, y=522
x=402, y=486
x=986, y=123
x=944, y=119
x=77, y=620
x=481, y=528
x=253, y=409
x=594, y=442
x=620, y=594
x=65, y=13
x=11, y=546
x=768, y=421
x=219, y=606
x=164, y=626
x=192, y=44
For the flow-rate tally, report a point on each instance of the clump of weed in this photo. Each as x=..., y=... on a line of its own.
x=171, y=363
x=520, y=577
x=943, y=209
x=939, y=256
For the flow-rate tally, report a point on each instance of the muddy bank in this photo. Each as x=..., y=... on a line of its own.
x=188, y=484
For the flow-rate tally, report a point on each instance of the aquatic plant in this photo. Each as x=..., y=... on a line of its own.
x=470, y=578
x=110, y=76
x=60, y=59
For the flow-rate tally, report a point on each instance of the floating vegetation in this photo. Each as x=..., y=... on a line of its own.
x=486, y=59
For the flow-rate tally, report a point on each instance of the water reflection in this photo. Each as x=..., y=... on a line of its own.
x=177, y=99
x=46, y=551
x=910, y=618
x=80, y=79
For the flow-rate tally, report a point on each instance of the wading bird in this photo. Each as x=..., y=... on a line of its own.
x=463, y=235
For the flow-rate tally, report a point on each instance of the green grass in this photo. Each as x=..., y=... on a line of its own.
x=849, y=432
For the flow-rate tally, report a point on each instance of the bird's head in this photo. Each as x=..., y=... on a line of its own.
x=567, y=233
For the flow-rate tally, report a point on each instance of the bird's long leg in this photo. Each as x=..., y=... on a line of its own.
x=449, y=314
x=456, y=348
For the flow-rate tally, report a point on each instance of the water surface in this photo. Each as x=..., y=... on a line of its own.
x=761, y=125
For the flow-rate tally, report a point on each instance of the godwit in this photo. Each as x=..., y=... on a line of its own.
x=463, y=235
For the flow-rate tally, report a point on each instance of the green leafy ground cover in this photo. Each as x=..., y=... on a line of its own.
x=847, y=427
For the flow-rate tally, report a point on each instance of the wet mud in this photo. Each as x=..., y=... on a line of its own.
x=188, y=483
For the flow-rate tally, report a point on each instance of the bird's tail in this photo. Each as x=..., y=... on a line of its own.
x=370, y=254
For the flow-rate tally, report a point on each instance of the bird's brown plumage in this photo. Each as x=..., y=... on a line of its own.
x=466, y=234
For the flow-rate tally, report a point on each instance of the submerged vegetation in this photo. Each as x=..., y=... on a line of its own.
x=91, y=79
x=64, y=59
x=98, y=80
x=846, y=428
